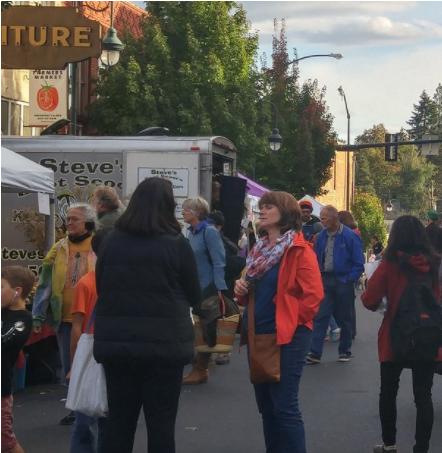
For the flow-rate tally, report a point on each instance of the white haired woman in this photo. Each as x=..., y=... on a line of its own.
x=67, y=261
x=210, y=255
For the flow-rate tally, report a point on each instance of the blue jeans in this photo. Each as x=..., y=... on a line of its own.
x=332, y=323
x=278, y=402
x=87, y=434
x=64, y=346
x=339, y=299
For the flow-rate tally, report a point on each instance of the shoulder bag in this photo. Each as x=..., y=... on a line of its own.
x=264, y=352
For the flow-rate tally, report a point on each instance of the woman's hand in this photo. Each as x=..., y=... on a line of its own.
x=241, y=287
x=37, y=329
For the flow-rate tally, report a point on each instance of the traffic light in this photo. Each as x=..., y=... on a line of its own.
x=391, y=150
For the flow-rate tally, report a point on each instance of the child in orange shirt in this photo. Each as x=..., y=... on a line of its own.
x=87, y=431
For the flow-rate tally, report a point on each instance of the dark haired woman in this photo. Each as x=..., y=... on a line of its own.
x=288, y=289
x=408, y=252
x=147, y=281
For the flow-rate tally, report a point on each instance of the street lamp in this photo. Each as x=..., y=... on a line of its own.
x=111, y=46
x=275, y=139
x=337, y=56
x=342, y=93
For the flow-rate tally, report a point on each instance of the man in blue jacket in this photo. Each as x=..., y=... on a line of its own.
x=341, y=261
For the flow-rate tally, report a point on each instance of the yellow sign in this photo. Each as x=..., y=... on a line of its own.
x=48, y=37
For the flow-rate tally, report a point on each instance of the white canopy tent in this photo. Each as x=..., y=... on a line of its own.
x=20, y=174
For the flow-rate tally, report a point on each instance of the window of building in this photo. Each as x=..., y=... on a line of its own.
x=15, y=114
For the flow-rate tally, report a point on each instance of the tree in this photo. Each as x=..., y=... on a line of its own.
x=423, y=117
x=374, y=174
x=193, y=71
x=303, y=164
x=367, y=210
x=414, y=178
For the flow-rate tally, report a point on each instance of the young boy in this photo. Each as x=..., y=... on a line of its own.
x=17, y=283
x=87, y=431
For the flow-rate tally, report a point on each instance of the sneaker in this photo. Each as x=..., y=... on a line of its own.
x=312, y=358
x=68, y=420
x=383, y=449
x=222, y=359
x=344, y=357
x=335, y=335
x=327, y=337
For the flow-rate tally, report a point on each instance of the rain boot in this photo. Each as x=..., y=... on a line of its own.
x=200, y=371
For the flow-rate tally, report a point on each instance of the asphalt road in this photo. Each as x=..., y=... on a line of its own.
x=339, y=403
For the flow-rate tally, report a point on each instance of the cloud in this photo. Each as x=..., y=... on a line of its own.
x=343, y=23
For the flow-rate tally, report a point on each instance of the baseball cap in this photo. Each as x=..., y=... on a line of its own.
x=216, y=218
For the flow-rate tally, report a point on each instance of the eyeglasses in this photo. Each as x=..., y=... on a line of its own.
x=73, y=220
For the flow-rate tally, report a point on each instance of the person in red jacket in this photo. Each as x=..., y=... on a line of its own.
x=408, y=251
x=288, y=291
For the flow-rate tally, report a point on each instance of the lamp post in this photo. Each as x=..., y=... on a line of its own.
x=111, y=46
x=349, y=194
x=275, y=139
x=337, y=56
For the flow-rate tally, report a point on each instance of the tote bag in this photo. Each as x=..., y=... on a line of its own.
x=87, y=387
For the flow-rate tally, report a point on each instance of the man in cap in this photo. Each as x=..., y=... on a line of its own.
x=434, y=231
x=311, y=225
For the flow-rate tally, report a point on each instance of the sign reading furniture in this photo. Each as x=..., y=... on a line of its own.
x=49, y=37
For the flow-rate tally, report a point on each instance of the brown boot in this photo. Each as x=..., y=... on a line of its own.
x=200, y=372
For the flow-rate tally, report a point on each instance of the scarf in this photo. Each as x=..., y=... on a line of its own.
x=78, y=239
x=266, y=254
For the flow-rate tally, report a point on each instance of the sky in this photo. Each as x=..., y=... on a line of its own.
x=392, y=52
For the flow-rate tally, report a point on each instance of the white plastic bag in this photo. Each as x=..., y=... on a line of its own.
x=87, y=387
x=369, y=271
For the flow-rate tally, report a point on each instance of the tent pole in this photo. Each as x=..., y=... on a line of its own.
x=50, y=225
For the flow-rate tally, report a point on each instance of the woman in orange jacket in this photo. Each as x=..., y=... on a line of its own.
x=288, y=291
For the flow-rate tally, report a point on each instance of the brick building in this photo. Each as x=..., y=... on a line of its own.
x=15, y=83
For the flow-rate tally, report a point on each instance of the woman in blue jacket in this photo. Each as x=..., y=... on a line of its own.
x=210, y=256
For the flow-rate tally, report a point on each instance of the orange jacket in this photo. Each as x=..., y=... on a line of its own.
x=299, y=291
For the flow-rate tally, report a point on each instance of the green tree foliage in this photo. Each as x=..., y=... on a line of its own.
x=303, y=164
x=193, y=72
x=367, y=210
x=414, y=179
x=423, y=117
x=374, y=174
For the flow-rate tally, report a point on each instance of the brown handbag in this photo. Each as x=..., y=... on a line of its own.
x=264, y=353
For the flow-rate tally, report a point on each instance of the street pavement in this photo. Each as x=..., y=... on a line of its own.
x=339, y=402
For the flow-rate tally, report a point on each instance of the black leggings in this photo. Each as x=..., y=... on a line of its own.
x=423, y=374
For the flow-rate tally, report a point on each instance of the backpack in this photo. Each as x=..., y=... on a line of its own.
x=416, y=329
x=234, y=263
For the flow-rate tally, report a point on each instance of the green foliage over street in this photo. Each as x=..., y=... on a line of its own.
x=367, y=211
x=194, y=72
x=414, y=182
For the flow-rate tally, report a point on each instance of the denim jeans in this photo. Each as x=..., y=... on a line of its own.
x=64, y=346
x=87, y=434
x=422, y=374
x=278, y=402
x=332, y=323
x=339, y=299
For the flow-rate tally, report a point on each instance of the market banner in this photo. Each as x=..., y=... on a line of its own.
x=48, y=93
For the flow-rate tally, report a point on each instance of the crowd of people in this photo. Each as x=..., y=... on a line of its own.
x=133, y=276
